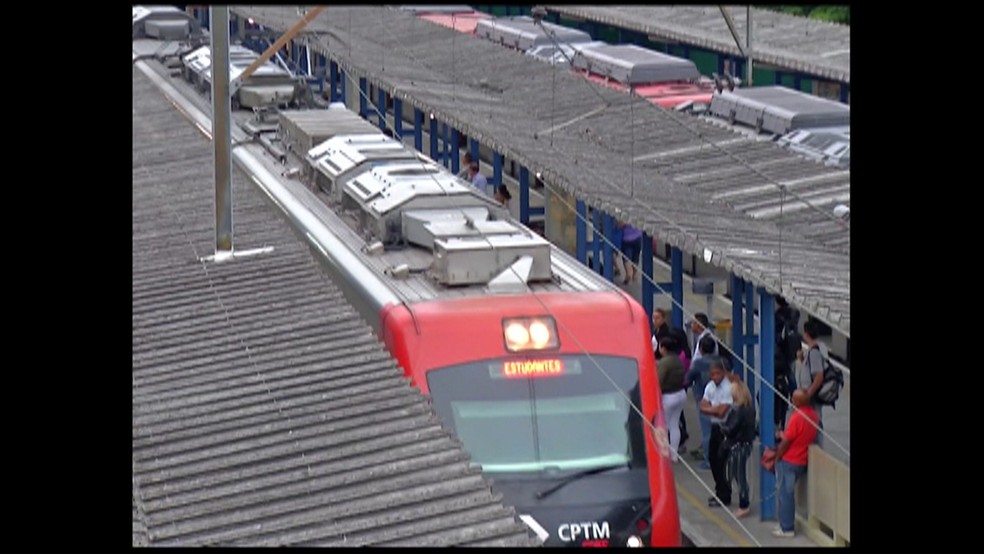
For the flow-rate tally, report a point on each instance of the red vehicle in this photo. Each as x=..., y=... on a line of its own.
x=535, y=362
x=460, y=18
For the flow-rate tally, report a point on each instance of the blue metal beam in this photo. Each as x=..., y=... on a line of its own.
x=473, y=147
x=767, y=342
x=737, y=324
x=342, y=87
x=608, y=223
x=581, y=231
x=845, y=89
x=524, y=195
x=749, y=329
x=398, y=119
x=537, y=210
x=381, y=106
x=332, y=81
x=433, y=140
x=596, y=239
x=363, y=98
x=676, y=283
x=418, y=129
x=647, y=277
x=446, y=146
x=455, y=158
x=496, y=169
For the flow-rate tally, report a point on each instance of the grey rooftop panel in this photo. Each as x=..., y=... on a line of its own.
x=631, y=64
x=265, y=411
x=789, y=42
x=611, y=150
x=779, y=110
x=522, y=33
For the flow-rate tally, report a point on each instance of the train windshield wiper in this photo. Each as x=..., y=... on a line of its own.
x=574, y=477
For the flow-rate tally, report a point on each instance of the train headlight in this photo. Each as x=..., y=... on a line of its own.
x=517, y=335
x=633, y=542
x=530, y=333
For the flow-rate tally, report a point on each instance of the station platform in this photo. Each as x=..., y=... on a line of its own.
x=705, y=526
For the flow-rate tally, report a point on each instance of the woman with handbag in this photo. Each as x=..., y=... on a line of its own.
x=739, y=434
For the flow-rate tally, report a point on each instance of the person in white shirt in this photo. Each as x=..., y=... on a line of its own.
x=717, y=398
x=700, y=327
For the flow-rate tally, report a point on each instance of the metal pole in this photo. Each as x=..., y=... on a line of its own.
x=767, y=342
x=748, y=46
x=221, y=131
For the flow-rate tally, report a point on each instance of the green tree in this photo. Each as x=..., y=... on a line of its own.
x=834, y=14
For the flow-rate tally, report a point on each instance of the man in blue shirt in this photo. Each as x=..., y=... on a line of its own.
x=477, y=178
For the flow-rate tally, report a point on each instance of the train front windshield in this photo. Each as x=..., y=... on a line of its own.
x=523, y=415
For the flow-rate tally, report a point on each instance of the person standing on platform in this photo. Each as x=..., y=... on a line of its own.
x=700, y=326
x=717, y=399
x=739, y=433
x=698, y=377
x=809, y=374
x=631, y=252
x=792, y=456
x=660, y=329
x=670, y=371
x=477, y=179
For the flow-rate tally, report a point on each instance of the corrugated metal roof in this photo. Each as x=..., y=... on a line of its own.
x=786, y=41
x=511, y=102
x=265, y=412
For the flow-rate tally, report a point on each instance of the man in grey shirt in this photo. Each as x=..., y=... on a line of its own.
x=809, y=374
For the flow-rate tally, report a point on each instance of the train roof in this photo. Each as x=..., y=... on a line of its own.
x=428, y=234
x=635, y=65
x=779, y=110
x=437, y=8
x=522, y=33
x=164, y=23
x=832, y=145
x=240, y=57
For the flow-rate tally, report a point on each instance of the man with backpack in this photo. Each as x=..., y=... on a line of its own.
x=816, y=373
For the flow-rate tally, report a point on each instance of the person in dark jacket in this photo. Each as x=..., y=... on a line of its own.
x=660, y=329
x=683, y=346
x=670, y=370
x=739, y=433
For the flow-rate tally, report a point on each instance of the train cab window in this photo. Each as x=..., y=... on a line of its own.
x=512, y=419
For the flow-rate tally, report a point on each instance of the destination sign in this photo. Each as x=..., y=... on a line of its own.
x=518, y=369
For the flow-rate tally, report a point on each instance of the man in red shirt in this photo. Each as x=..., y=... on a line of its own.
x=792, y=455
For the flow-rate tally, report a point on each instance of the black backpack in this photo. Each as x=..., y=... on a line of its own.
x=833, y=382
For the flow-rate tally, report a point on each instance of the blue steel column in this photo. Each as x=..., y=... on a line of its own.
x=446, y=146
x=433, y=139
x=581, y=231
x=647, y=276
x=343, y=88
x=496, y=167
x=398, y=118
x=473, y=147
x=332, y=81
x=767, y=334
x=676, y=280
x=608, y=224
x=750, y=326
x=418, y=129
x=737, y=334
x=455, y=158
x=363, y=98
x=524, y=195
x=596, y=239
x=381, y=105
x=845, y=89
